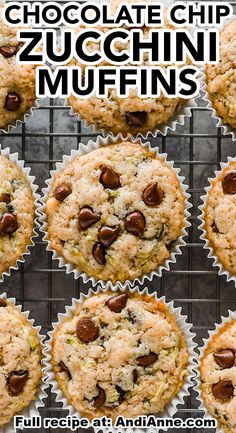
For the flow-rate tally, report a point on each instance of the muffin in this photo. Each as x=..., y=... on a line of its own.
x=130, y=115
x=20, y=361
x=220, y=217
x=17, y=83
x=218, y=379
x=221, y=78
x=119, y=354
x=17, y=211
x=116, y=212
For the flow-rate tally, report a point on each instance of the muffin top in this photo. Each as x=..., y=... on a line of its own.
x=115, y=212
x=20, y=358
x=16, y=213
x=218, y=375
x=131, y=115
x=119, y=354
x=220, y=217
x=221, y=78
x=17, y=85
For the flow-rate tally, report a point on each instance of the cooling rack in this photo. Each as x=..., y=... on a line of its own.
x=40, y=286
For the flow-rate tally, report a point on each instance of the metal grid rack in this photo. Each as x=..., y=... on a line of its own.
x=44, y=289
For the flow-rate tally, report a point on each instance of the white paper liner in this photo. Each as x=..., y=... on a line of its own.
x=171, y=408
x=14, y=157
x=227, y=129
x=32, y=409
x=211, y=255
x=29, y=113
x=197, y=387
x=84, y=149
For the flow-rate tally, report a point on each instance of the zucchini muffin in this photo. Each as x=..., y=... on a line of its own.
x=130, y=115
x=17, y=82
x=17, y=211
x=20, y=361
x=119, y=354
x=116, y=212
x=220, y=217
x=221, y=78
x=218, y=376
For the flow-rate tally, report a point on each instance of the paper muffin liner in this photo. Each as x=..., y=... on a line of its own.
x=84, y=149
x=22, y=119
x=32, y=409
x=226, y=128
x=211, y=255
x=172, y=407
x=197, y=387
x=14, y=157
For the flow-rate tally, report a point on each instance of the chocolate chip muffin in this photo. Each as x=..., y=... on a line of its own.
x=130, y=115
x=221, y=78
x=218, y=377
x=17, y=82
x=220, y=217
x=116, y=212
x=119, y=354
x=16, y=213
x=20, y=361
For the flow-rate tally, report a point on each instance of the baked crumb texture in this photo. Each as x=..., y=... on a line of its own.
x=221, y=78
x=20, y=362
x=220, y=217
x=17, y=83
x=115, y=213
x=17, y=213
x=119, y=354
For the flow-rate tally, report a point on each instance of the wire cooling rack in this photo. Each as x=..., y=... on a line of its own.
x=40, y=286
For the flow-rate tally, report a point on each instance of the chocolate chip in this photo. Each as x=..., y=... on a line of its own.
x=229, y=183
x=223, y=389
x=62, y=191
x=117, y=303
x=152, y=195
x=5, y=198
x=65, y=368
x=99, y=253
x=147, y=359
x=87, y=217
x=3, y=303
x=100, y=399
x=225, y=358
x=135, y=223
x=12, y=102
x=107, y=235
x=16, y=381
x=8, y=51
x=135, y=376
x=108, y=178
x=87, y=330
x=8, y=224
x=136, y=118
x=122, y=394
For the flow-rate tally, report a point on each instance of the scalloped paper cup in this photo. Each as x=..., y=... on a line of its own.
x=227, y=129
x=211, y=255
x=29, y=113
x=178, y=119
x=14, y=157
x=84, y=149
x=197, y=387
x=171, y=408
x=33, y=408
